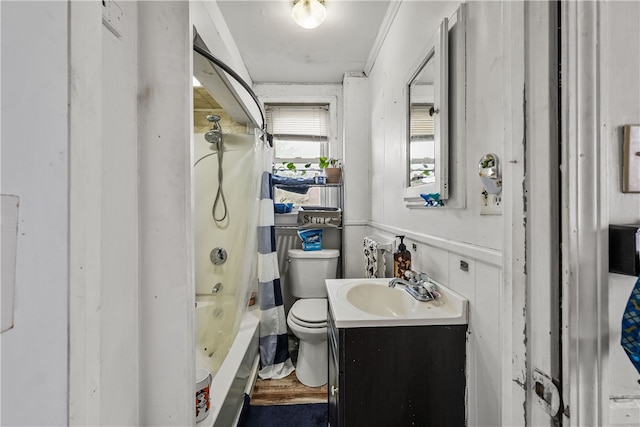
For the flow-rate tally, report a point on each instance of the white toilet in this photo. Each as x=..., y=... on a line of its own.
x=307, y=317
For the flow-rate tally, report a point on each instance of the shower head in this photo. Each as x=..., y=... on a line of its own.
x=214, y=136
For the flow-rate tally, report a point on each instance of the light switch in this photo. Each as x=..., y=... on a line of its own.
x=631, y=162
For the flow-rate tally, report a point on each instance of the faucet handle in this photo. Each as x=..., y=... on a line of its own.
x=414, y=277
x=423, y=277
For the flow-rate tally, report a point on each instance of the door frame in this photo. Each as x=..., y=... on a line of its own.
x=584, y=218
x=543, y=239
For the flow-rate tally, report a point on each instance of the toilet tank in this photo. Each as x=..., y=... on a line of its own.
x=308, y=269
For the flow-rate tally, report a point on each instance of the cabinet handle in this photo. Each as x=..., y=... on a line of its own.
x=334, y=390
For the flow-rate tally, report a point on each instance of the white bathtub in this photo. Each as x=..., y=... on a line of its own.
x=236, y=374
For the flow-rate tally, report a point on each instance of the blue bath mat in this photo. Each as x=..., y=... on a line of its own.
x=307, y=415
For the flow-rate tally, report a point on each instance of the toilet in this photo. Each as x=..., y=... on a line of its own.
x=307, y=317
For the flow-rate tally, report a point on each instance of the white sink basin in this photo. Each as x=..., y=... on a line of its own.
x=381, y=300
x=372, y=303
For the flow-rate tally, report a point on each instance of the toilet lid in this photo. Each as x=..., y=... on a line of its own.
x=321, y=254
x=312, y=312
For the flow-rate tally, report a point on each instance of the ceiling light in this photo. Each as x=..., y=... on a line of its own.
x=308, y=13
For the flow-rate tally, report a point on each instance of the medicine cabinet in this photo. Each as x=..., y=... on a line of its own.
x=432, y=102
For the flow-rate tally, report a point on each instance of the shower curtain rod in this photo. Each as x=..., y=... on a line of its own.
x=204, y=52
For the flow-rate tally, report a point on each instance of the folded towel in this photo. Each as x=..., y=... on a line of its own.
x=294, y=185
x=630, y=337
x=370, y=257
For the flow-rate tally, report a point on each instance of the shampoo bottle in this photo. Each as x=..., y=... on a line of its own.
x=401, y=259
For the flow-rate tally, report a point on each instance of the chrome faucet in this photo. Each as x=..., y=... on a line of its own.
x=393, y=282
x=418, y=285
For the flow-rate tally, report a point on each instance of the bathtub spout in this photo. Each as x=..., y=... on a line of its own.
x=216, y=288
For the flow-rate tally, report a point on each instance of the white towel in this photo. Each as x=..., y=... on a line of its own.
x=370, y=257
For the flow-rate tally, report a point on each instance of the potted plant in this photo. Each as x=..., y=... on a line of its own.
x=332, y=169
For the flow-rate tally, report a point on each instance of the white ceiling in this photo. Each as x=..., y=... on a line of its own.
x=276, y=50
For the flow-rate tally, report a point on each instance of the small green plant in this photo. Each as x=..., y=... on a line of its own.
x=325, y=162
x=292, y=167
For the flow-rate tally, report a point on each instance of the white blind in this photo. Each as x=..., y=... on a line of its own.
x=422, y=123
x=298, y=121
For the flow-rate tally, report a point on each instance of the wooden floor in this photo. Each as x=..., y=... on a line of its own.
x=286, y=391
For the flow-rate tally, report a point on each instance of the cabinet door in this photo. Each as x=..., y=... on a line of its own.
x=334, y=372
x=332, y=387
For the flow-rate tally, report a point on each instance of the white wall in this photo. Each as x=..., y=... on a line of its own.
x=620, y=105
x=356, y=175
x=104, y=296
x=445, y=237
x=104, y=285
x=167, y=292
x=119, y=226
x=35, y=155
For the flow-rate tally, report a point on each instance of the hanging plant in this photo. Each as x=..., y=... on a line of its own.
x=292, y=167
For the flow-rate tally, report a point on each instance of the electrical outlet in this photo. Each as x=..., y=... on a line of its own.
x=490, y=204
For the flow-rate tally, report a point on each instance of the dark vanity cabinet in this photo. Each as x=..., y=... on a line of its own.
x=396, y=376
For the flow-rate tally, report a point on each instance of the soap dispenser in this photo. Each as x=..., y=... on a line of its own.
x=401, y=259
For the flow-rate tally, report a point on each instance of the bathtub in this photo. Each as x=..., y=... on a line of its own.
x=226, y=340
x=237, y=372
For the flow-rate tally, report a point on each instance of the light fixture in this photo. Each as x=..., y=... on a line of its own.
x=308, y=13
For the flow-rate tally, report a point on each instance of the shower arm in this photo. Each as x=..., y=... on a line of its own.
x=228, y=70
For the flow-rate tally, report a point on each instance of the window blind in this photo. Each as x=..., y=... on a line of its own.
x=298, y=121
x=422, y=124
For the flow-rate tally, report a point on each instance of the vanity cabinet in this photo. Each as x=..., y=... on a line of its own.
x=396, y=376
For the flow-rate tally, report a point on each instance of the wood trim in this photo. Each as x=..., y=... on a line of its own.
x=486, y=255
x=584, y=217
x=513, y=292
x=543, y=201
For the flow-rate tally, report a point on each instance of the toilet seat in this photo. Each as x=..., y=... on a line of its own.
x=309, y=313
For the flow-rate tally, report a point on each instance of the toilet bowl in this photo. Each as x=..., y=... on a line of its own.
x=307, y=320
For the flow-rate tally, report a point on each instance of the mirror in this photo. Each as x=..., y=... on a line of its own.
x=428, y=120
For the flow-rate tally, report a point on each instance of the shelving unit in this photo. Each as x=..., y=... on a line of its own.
x=339, y=201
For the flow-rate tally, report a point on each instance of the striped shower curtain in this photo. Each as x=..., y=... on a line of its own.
x=274, y=344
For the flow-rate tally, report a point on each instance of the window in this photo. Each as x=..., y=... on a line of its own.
x=300, y=136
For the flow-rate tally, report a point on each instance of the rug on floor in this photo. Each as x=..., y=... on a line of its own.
x=305, y=415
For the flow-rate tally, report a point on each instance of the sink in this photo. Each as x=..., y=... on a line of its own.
x=381, y=300
x=358, y=303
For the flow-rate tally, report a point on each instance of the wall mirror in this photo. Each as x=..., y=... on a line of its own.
x=435, y=118
x=428, y=122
